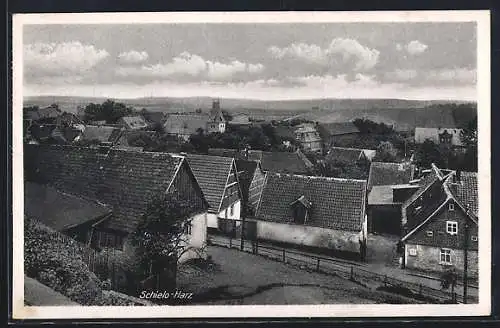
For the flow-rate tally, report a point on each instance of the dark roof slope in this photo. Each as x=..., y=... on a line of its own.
x=59, y=210
x=212, y=173
x=101, y=133
x=126, y=180
x=286, y=162
x=246, y=170
x=153, y=117
x=350, y=155
x=390, y=174
x=336, y=203
x=185, y=124
x=334, y=129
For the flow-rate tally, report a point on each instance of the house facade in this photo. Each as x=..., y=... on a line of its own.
x=334, y=134
x=125, y=181
x=308, y=137
x=319, y=212
x=441, y=223
x=218, y=179
x=443, y=136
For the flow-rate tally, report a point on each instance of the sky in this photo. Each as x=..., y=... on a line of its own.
x=255, y=61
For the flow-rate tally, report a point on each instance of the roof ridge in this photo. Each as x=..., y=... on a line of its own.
x=313, y=177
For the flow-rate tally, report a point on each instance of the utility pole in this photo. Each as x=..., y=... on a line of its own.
x=466, y=241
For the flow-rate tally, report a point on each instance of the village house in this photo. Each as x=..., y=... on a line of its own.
x=382, y=173
x=334, y=134
x=345, y=155
x=132, y=122
x=320, y=212
x=240, y=120
x=125, y=181
x=440, y=223
x=389, y=185
x=308, y=137
x=101, y=134
x=218, y=179
x=184, y=125
x=69, y=214
x=442, y=136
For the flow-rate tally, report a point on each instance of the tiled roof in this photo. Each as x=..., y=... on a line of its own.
x=349, y=155
x=125, y=180
x=134, y=122
x=154, y=117
x=185, y=124
x=390, y=173
x=212, y=173
x=466, y=191
x=333, y=129
x=380, y=195
x=336, y=203
x=59, y=210
x=101, y=133
x=286, y=162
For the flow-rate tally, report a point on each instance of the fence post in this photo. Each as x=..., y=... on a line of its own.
x=317, y=265
x=385, y=280
x=352, y=272
x=420, y=289
x=283, y=255
x=230, y=242
x=454, y=297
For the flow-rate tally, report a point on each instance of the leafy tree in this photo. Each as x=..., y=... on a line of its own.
x=108, y=111
x=385, y=152
x=427, y=153
x=159, y=238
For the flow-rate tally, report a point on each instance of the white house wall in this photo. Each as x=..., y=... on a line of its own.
x=212, y=217
x=309, y=236
x=198, y=237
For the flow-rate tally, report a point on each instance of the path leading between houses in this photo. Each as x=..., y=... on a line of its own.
x=374, y=264
x=243, y=278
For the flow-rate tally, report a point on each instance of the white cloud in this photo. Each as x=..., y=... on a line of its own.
x=133, y=56
x=401, y=75
x=460, y=75
x=58, y=58
x=415, y=47
x=349, y=49
x=188, y=64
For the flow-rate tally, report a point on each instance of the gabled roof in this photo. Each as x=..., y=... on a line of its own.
x=212, y=173
x=390, y=174
x=134, y=122
x=59, y=210
x=449, y=191
x=465, y=190
x=125, y=180
x=336, y=203
x=101, y=133
x=153, y=117
x=185, y=124
x=349, y=155
x=246, y=170
x=334, y=129
x=286, y=162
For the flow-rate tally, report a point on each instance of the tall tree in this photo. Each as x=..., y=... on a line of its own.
x=108, y=111
x=385, y=152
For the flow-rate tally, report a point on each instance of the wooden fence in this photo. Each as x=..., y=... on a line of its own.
x=343, y=268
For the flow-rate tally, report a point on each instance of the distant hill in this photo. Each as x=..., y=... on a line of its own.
x=403, y=114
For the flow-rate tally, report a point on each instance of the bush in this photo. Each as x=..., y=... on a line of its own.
x=59, y=266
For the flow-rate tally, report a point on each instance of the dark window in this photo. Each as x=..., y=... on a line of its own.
x=188, y=226
x=107, y=239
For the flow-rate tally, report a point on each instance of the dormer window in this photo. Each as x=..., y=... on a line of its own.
x=300, y=210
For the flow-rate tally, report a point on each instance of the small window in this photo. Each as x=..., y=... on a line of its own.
x=231, y=210
x=188, y=227
x=452, y=227
x=474, y=238
x=445, y=256
x=451, y=206
x=430, y=233
x=413, y=252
